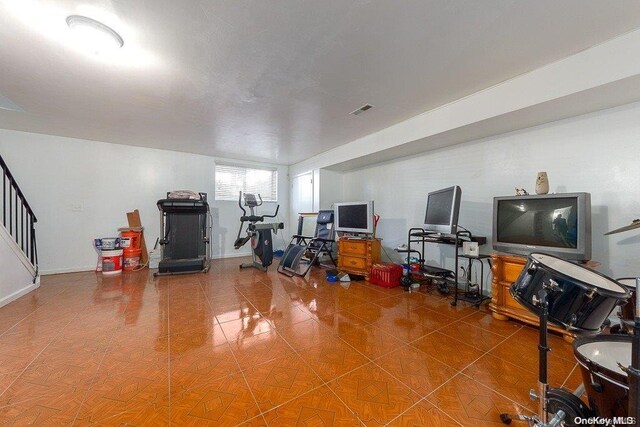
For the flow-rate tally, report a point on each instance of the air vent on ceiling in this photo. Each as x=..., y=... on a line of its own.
x=362, y=109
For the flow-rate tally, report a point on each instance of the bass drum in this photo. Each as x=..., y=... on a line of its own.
x=579, y=299
x=607, y=385
x=628, y=310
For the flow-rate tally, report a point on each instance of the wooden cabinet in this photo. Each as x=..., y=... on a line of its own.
x=506, y=269
x=356, y=256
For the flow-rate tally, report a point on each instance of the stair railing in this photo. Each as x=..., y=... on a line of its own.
x=18, y=217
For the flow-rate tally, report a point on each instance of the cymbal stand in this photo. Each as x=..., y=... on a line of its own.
x=542, y=418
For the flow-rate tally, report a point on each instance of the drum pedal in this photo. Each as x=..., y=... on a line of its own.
x=557, y=419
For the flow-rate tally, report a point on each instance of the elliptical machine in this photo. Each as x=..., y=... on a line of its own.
x=258, y=234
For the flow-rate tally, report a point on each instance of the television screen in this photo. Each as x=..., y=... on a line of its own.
x=557, y=224
x=442, y=210
x=543, y=222
x=355, y=217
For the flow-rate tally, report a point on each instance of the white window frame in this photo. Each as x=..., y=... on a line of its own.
x=243, y=172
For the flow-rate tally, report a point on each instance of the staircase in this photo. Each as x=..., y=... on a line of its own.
x=18, y=251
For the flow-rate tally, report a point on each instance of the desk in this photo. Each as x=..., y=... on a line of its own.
x=421, y=236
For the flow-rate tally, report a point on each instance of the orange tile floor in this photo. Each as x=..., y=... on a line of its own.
x=250, y=348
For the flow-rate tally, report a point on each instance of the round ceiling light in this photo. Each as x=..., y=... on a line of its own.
x=93, y=34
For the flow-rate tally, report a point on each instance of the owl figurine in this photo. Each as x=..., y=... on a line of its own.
x=542, y=183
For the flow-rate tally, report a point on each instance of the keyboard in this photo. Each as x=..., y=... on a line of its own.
x=436, y=238
x=448, y=239
x=435, y=271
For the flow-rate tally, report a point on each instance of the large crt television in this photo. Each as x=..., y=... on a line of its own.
x=557, y=224
x=443, y=206
x=354, y=217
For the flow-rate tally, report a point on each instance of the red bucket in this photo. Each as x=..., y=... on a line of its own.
x=132, y=259
x=134, y=238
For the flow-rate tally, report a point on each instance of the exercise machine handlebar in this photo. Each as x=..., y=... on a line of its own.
x=253, y=204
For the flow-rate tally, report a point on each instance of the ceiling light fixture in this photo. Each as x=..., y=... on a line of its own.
x=94, y=35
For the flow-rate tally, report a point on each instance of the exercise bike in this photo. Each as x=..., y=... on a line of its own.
x=258, y=234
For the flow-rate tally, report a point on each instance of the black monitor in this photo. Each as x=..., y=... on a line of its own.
x=443, y=206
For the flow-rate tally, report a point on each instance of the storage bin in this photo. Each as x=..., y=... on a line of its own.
x=386, y=275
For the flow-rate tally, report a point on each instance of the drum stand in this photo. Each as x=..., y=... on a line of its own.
x=633, y=371
x=560, y=403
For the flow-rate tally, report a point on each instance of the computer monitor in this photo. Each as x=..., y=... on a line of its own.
x=443, y=206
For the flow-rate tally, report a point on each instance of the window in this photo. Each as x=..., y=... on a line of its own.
x=230, y=180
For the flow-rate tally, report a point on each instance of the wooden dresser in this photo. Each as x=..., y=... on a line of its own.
x=356, y=256
x=506, y=269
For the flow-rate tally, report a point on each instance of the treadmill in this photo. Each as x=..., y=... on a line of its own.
x=185, y=230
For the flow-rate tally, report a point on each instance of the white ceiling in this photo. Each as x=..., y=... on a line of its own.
x=274, y=80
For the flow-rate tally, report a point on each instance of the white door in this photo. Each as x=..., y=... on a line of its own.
x=301, y=198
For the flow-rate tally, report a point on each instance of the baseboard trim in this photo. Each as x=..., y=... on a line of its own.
x=21, y=292
x=66, y=270
x=233, y=255
x=93, y=267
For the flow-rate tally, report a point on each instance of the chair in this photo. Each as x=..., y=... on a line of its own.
x=321, y=243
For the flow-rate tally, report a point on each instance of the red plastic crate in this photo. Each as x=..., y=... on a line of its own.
x=386, y=274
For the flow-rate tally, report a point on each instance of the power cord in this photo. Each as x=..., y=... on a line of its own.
x=387, y=255
x=284, y=242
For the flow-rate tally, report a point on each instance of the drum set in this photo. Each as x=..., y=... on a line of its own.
x=580, y=300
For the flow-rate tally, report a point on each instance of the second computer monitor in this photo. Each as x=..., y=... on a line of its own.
x=443, y=206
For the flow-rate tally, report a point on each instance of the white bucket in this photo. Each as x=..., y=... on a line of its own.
x=111, y=262
x=109, y=243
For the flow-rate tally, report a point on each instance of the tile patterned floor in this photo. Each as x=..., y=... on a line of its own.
x=259, y=349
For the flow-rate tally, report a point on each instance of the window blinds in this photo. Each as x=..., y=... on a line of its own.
x=230, y=180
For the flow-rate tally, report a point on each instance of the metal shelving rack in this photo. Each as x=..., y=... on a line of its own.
x=422, y=237
x=478, y=297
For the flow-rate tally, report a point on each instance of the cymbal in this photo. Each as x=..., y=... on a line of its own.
x=634, y=224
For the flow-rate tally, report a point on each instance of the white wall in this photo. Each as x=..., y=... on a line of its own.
x=82, y=189
x=330, y=188
x=596, y=153
x=17, y=273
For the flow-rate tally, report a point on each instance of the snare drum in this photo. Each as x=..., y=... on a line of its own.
x=607, y=385
x=579, y=299
x=628, y=310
